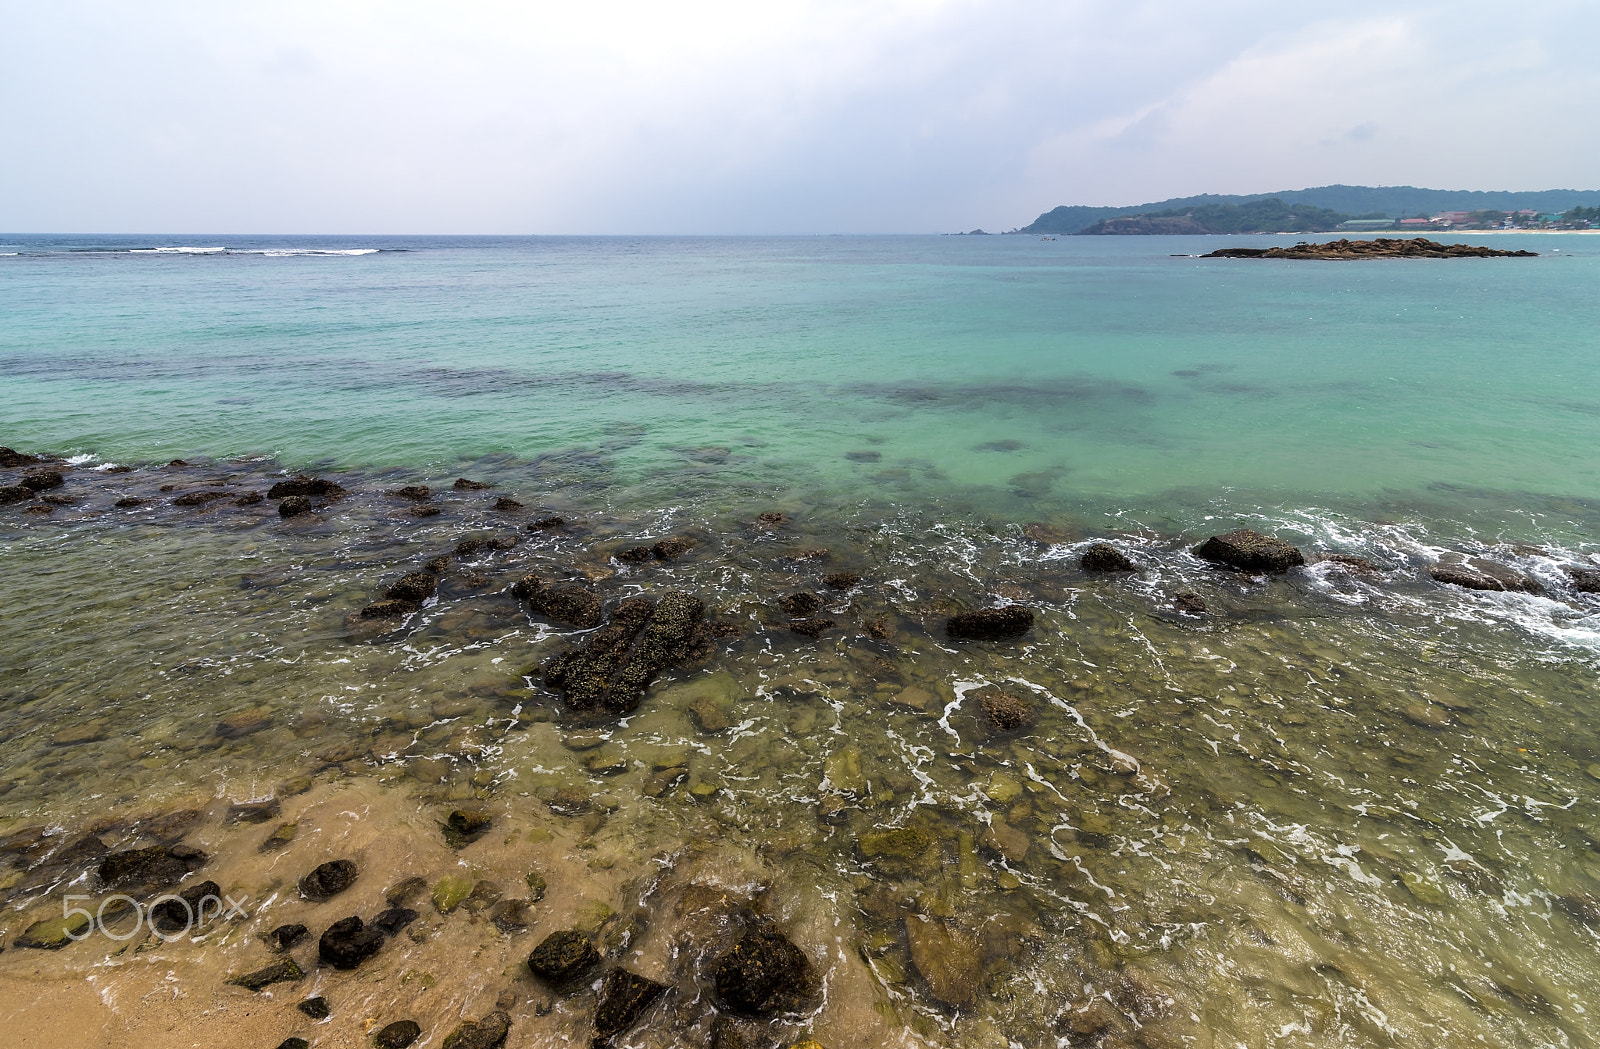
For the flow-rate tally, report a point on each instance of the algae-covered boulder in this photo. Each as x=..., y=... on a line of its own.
x=609, y=673
x=465, y=826
x=763, y=973
x=397, y=1035
x=577, y=606
x=900, y=850
x=294, y=506
x=1103, y=557
x=1250, y=551
x=624, y=996
x=486, y=1033
x=285, y=971
x=563, y=957
x=52, y=934
x=991, y=624
x=1005, y=711
x=948, y=959
x=156, y=867
x=450, y=891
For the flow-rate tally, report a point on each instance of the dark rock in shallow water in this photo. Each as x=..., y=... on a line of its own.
x=249, y=499
x=127, y=501
x=328, y=880
x=348, y=942
x=397, y=1035
x=509, y=915
x=840, y=580
x=1251, y=551
x=547, y=524
x=1468, y=578
x=244, y=723
x=294, y=506
x=415, y=587
x=316, y=1008
x=190, y=499
x=254, y=811
x=388, y=609
x=800, y=603
x=1190, y=603
x=813, y=627
x=407, y=890
x=417, y=493
x=1006, y=711
x=285, y=971
x=1103, y=557
x=991, y=624
x=465, y=826
x=611, y=670
x=486, y=1033
x=14, y=493
x=772, y=519
x=304, y=487
x=39, y=508
x=285, y=936
x=574, y=605
x=1584, y=580
x=764, y=973
x=191, y=908
x=468, y=547
x=10, y=458
x=671, y=548
x=156, y=867
x=42, y=480
x=391, y=921
x=505, y=504
x=424, y=510
x=1354, y=563
x=294, y=1043
x=563, y=957
x=464, y=485
x=624, y=996
x=634, y=555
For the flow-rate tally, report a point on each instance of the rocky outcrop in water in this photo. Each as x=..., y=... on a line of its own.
x=485, y=1033
x=156, y=867
x=562, y=957
x=286, y=971
x=574, y=605
x=624, y=996
x=465, y=826
x=991, y=624
x=11, y=458
x=42, y=480
x=609, y=673
x=15, y=493
x=348, y=942
x=1250, y=551
x=1584, y=580
x=1103, y=557
x=1007, y=712
x=764, y=973
x=1469, y=578
x=328, y=880
x=319, y=487
x=1381, y=248
x=294, y=506
x=397, y=1035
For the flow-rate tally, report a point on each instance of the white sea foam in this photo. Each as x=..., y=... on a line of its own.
x=182, y=250
x=271, y=253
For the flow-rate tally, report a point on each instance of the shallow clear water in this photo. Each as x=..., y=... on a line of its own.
x=1343, y=808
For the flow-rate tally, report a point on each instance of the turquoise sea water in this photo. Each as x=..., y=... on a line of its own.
x=1019, y=372
x=1349, y=805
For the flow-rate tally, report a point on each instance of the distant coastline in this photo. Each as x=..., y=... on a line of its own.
x=1336, y=208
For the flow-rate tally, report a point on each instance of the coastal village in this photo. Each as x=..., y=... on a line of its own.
x=1578, y=218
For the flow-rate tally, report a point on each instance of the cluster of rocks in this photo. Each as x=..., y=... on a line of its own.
x=761, y=976
x=36, y=480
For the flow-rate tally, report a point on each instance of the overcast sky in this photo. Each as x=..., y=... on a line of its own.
x=769, y=116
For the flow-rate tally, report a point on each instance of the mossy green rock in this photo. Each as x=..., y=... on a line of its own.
x=1003, y=788
x=842, y=769
x=54, y=933
x=450, y=891
x=900, y=850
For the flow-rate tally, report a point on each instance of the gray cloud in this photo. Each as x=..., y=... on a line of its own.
x=812, y=116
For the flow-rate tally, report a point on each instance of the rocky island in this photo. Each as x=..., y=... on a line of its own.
x=1381, y=248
